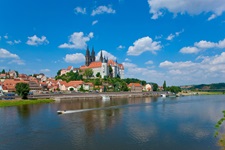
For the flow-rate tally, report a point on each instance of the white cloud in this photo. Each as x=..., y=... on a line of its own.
x=210, y=69
x=13, y=42
x=144, y=44
x=158, y=37
x=192, y=7
x=75, y=58
x=6, y=54
x=120, y=47
x=34, y=40
x=77, y=41
x=45, y=70
x=106, y=55
x=172, y=36
x=133, y=71
x=127, y=60
x=103, y=10
x=213, y=16
x=189, y=50
x=203, y=45
x=94, y=22
x=150, y=62
x=79, y=10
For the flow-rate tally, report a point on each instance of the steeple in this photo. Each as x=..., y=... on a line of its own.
x=93, y=54
x=101, y=58
x=87, y=57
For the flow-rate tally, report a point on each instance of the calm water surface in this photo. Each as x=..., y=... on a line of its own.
x=184, y=123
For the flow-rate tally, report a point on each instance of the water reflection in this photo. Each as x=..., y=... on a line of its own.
x=149, y=123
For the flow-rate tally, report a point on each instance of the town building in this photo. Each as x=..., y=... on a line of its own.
x=102, y=66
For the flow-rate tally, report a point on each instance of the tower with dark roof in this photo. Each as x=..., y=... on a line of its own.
x=101, y=57
x=87, y=57
x=92, y=55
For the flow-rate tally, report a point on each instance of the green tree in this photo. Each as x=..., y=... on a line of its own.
x=88, y=73
x=59, y=72
x=22, y=89
x=110, y=71
x=174, y=89
x=17, y=73
x=164, y=85
x=3, y=71
x=81, y=88
x=98, y=74
x=155, y=87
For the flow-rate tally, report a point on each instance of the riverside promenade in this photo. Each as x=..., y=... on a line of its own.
x=89, y=96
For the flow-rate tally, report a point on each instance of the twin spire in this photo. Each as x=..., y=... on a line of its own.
x=89, y=58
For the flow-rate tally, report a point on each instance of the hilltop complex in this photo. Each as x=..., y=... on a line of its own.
x=101, y=66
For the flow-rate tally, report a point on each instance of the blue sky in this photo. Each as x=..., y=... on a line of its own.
x=182, y=42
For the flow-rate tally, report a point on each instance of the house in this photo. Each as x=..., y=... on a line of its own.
x=9, y=85
x=2, y=76
x=34, y=86
x=135, y=87
x=69, y=68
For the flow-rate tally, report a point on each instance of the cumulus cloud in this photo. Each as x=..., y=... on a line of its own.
x=34, y=40
x=203, y=45
x=209, y=69
x=94, y=22
x=6, y=36
x=77, y=41
x=80, y=10
x=103, y=10
x=6, y=54
x=75, y=58
x=189, y=50
x=133, y=71
x=144, y=44
x=192, y=7
x=106, y=55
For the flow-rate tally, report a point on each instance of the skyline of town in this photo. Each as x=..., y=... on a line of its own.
x=182, y=43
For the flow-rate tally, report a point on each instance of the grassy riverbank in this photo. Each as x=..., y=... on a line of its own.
x=7, y=103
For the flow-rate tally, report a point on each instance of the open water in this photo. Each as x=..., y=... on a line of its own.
x=183, y=123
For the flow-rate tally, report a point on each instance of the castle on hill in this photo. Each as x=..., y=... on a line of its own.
x=100, y=66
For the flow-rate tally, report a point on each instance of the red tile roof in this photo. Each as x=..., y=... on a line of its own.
x=96, y=64
x=111, y=62
x=134, y=84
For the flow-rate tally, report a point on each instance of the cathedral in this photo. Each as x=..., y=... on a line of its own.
x=102, y=65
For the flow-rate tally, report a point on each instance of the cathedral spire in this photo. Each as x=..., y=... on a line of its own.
x=101, y=58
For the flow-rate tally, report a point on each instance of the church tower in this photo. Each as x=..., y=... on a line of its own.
x=87, y=57
x=92, y=55
x=101, y=57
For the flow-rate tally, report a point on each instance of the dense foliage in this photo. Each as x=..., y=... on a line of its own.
x=70, y=76
x=22, y=89
x=174, y=89
x=134, y=80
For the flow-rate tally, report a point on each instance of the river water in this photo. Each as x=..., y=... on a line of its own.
x=183, y=123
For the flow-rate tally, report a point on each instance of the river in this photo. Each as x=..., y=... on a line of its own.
x=183, y=123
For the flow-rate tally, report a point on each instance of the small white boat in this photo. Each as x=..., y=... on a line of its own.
x=163, y=95
x=105, y=97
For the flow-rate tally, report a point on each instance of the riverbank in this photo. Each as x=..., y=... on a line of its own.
x=7, y=103
x=201, y=93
